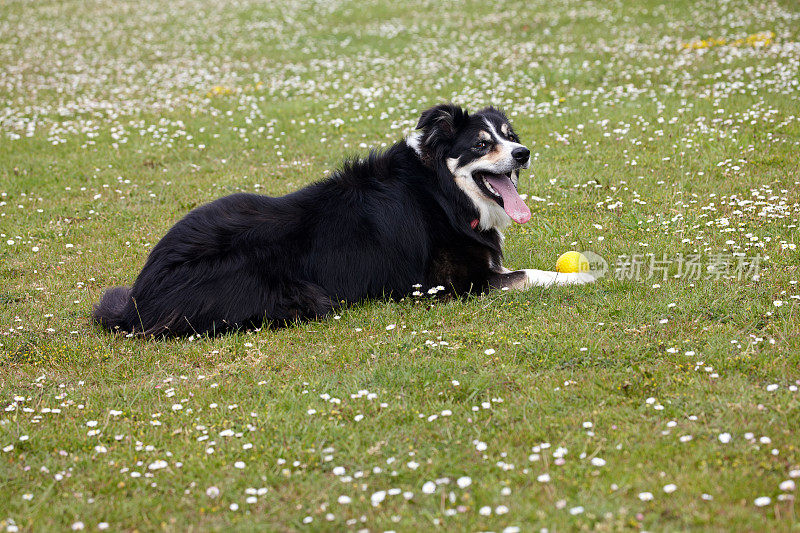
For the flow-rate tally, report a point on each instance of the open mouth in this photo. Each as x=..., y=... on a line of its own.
x=488, y=185
x=502, y=190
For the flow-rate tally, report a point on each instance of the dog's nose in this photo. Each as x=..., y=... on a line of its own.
x=520, y=154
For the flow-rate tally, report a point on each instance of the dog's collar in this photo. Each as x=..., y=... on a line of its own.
x=474, y=223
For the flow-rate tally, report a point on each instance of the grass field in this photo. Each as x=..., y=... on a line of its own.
x=654, y=399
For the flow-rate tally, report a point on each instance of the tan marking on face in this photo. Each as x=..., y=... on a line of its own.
x=504, y=129
x=484, y=135
x=495, y=154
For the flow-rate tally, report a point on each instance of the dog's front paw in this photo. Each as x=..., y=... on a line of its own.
x=581, y=278
x=547, y=278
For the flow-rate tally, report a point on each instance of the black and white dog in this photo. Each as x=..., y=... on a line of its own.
x=427, y=211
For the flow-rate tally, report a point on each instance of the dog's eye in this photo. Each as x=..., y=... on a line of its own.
x=481, y=145
x=513, y=138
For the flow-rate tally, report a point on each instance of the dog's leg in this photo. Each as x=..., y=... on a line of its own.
x=546, y=278
x=527, y=278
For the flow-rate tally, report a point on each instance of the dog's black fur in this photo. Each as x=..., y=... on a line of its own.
x=374, y=229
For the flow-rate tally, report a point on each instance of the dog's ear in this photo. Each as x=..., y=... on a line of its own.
x=441, y=122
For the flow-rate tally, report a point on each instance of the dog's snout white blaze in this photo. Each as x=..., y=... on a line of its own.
x=507, y=146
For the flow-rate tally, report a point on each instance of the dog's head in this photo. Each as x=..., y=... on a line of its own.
x=482, y=154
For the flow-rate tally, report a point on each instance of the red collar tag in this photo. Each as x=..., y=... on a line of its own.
x=474, y=223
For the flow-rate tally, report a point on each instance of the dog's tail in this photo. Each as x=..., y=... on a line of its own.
x=112, y=310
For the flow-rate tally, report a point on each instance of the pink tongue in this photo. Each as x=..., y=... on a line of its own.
x=512, y=203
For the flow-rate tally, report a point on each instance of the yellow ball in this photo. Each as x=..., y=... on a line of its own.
x=572, y=262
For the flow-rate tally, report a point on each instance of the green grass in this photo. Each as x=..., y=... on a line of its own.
x=112, y=129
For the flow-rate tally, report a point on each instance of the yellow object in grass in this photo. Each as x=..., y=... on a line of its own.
x=569, y=262
x=755, y=40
